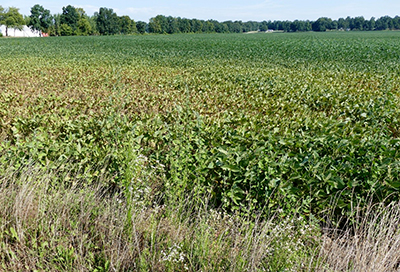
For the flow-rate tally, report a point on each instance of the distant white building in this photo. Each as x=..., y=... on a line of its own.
x=26, y=32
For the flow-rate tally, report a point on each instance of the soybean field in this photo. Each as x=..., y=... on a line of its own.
x=245, y=117
x=304, y=123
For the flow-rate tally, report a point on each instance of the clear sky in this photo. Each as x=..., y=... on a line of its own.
x=222, y=10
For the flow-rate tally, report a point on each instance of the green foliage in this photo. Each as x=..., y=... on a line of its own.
x=66, y=30
x=117, y=152
x=323, y=24
x=40, y=18
x=70, y=17
x=1, y=15
x=126, y=25
x=158, y=24
x=107, y=21
x=12, y=19
x=259, y=122
x=141, y=27
x=54, y=28
x=84, y=28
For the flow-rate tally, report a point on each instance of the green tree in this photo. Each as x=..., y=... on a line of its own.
x=184, y=25
x=27, y=20
x=359, y=23
x=295, y=26
x=322, y=24
x=13, y=19
x=55, y=27
x=93, y=24
x=158, y=24
x=396, y=22
x=84, y=27
x=263, y=26
x=126, y=25
x=197, y=26
x=343, y=24
x=234, y=27
x=220, y=27
x=107, y=22
x=1, y=15
x=40, y=19
x=154, y=26
x=172, y=25
x=208, y=27
x=70, y=17
x=250, y=26
x=141, y=27
x=369, y=24
x=384, y=23
x=66, y=30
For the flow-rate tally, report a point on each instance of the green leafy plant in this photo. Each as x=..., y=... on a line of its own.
x=258, y=122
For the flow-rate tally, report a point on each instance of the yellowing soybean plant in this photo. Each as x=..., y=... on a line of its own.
x=185, y=136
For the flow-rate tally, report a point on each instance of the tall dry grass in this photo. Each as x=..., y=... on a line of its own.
x=44, y=226
x=371, y=243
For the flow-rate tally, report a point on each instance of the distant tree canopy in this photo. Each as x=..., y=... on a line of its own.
x=126, y=25
x=69, y=17
x=1, y=16
x=167, y=25
x=40, y=19
x=11, y=18
x=75, y=21
x=141, y=27
x=107, y=21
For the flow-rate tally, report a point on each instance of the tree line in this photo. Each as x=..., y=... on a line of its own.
x=75, y=21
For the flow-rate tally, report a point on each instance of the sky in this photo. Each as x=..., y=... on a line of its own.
x=223, y=10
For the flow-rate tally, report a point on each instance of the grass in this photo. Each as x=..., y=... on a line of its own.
x=200, y=152
x=82, y=228
x=371, y=245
